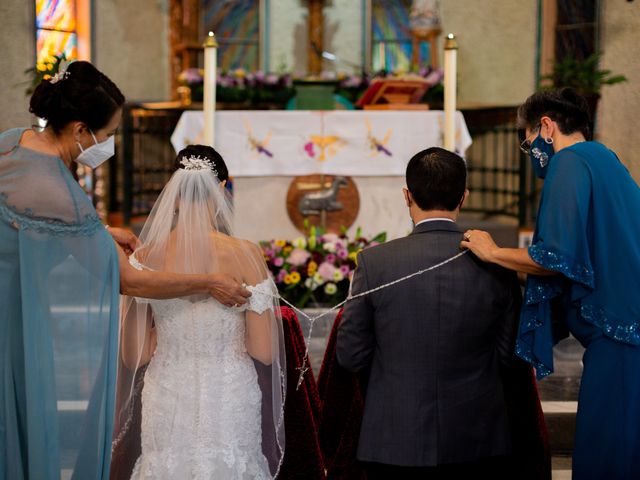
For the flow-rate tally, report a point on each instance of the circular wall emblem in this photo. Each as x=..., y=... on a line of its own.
x=327, y=201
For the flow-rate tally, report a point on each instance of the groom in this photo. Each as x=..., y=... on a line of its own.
x=434, y=405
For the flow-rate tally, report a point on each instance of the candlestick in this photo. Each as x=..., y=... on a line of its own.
x=210, y=78
x=450, y=71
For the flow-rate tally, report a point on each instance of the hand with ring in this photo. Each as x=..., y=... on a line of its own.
x=480, y=243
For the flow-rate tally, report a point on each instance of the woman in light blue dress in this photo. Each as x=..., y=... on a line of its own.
x=584, y=270
x=60, y=277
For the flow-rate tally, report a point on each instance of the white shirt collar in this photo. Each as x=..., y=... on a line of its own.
x=437, y=219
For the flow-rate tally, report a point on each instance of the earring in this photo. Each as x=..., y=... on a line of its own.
x=549, y=140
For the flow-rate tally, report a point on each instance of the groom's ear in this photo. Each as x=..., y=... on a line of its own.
x=465, y=195
x=407, y=196
x=223, y=183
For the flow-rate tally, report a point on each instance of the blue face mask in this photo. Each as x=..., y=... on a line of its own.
x=540, y=153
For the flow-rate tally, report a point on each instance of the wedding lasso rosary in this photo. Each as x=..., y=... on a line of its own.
x=312, y=319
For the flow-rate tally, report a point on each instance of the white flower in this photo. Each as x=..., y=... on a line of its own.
x=330, y=288
x=338, y=275
x=318, y=280
x=330, y=247
x=300, y=243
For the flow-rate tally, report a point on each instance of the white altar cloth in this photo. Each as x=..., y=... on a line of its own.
x=291, y=143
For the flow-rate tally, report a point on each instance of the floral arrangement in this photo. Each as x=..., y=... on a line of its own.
x=317, y=268
x=46, y=69
x=259, y=88
x=239, y=86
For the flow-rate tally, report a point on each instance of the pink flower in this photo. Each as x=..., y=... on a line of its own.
x=326, y=271
x=330, y=238
x=298, y=257
x=345, y=270
x=342, y=253
x=278, y=261
x=331, y=258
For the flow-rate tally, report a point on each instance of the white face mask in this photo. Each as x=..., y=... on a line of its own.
x=97, y=154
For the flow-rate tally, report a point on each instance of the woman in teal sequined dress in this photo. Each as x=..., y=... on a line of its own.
x=60, y=278
x=584, y=276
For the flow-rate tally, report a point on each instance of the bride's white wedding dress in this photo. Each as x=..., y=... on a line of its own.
x=201, y=402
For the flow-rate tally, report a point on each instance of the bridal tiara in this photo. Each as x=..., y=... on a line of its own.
x=197, y=163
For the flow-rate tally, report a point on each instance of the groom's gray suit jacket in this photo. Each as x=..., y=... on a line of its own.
x=433, y=344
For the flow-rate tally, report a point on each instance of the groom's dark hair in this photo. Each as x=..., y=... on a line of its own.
x=437, y=179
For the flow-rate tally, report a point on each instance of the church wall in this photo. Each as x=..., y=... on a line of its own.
x=497, y=48
x=619, y=106
x=132, y=47
x=18, y=54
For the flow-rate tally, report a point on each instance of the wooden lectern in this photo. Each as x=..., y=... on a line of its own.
x=395, y=94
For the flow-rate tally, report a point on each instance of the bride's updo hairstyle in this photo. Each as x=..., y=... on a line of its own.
x=82, y=93
x=206, y=153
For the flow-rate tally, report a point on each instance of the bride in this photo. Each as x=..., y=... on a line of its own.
x=214, y=384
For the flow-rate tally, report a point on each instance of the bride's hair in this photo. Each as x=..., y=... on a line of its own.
x=206, y=153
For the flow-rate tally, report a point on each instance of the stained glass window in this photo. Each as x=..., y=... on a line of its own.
x=236, y=24
x=56, y=29
x=391, y=36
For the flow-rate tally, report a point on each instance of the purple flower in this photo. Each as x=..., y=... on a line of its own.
x=331, y=258
x=191, y=76
x=271, y=79
x=342, y=253
x=281, y=274
x=269, y=252
x=278, y=261
x=224, y=81
x=436, y=77
x=353, y=81
x=287, y=80
x=345, y=270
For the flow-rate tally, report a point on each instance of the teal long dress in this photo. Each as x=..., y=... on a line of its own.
x=588, y=230
x=59, y=287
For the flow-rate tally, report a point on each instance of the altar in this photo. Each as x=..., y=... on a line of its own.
x=265, y=149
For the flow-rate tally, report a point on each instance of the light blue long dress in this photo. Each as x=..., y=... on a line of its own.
x=59, y=287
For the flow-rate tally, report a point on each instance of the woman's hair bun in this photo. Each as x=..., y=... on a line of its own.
x=81, y=94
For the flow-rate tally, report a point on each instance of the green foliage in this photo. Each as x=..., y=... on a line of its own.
x=584, y=76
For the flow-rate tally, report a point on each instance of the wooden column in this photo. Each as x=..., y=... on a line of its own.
x=548, y=40
x=184, y=42
x=175, y=39
x=315, y=31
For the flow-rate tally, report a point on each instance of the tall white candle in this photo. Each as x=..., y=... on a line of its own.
x=450, y=72
x=210, y=77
